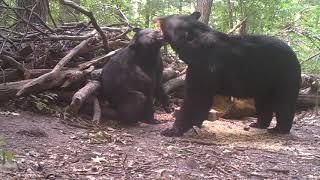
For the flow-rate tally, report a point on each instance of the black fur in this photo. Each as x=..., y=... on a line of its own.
x=257, y=66
x=132, y=78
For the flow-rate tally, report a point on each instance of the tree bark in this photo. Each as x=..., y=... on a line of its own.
x=147, y=14
x=230, y=18
x=39, y=7
x=79, y=97
x=243, y=28
x=204, y=7
x=180, y=6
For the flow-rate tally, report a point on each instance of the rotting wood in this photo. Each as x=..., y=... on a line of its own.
x=96, y=111
x=16, y=64
x=175, y=83
x=9, y=90
x=80, y=96
x=11, y=75
x=49, y=80
x=77, y=77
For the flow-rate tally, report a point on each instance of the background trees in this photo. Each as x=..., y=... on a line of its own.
x=204, y=6
x=295, y=21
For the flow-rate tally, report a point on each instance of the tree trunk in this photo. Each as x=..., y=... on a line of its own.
x=180, y=6
x=39, y=7
x=204, y=7
x=229, y=9
x=1, y=9
x=147, y=14
x=243, y=28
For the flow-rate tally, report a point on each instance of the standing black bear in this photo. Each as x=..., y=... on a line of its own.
x=132, y=78
x=257, y=66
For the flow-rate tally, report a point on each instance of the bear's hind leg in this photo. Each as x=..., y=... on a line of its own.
x=285, y=114
x=148, y=115
x=131, y=107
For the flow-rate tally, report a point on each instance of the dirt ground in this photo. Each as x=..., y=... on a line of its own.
x=44, y=147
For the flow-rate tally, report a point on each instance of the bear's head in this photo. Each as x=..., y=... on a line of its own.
x=189, y=37
x=146, y=39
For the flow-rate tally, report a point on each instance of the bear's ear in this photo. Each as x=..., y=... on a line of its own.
x=195, y=15
x=136, y=29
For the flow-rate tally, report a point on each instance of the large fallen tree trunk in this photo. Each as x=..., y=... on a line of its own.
x=307, y=101
x=9, y=90
x=15, y=75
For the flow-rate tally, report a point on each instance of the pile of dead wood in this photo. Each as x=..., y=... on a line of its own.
x=67, y=60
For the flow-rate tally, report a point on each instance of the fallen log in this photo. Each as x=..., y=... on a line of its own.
x=168, y=73
x=10, y=75
x=175, y=83
x=307, y=101
x=77, y=77
x=9, y=90
x=107, y=112
x=16, y=64
x=51, y=79
x=80, y=96
x=96, y=111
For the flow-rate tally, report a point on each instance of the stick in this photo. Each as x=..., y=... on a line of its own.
x=121, y=35
x=237, y=26
x=92, y=19
x=40, y=20
x=24, y=20
x=96, y=111
x=311, y=57
x=98, y=60
x=48, y=80
x=71, y=54
x=16, y=65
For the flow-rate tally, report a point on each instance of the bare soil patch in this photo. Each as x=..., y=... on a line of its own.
x=44, y=147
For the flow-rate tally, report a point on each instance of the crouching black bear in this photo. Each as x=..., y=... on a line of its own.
x=132, y=78
x=257, y=66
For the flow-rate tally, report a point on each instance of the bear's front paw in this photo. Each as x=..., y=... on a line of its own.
x=172, y=132
x=277, y=130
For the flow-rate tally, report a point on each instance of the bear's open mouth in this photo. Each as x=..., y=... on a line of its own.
x=157, y=25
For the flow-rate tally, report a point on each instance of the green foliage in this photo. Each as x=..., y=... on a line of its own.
x=295, y=21
x=5, y=156
x=44, y=102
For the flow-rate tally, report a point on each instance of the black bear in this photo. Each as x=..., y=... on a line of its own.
x=244, y=66
x=131, y=80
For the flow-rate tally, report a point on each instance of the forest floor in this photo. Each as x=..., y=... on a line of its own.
x=44, y=147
